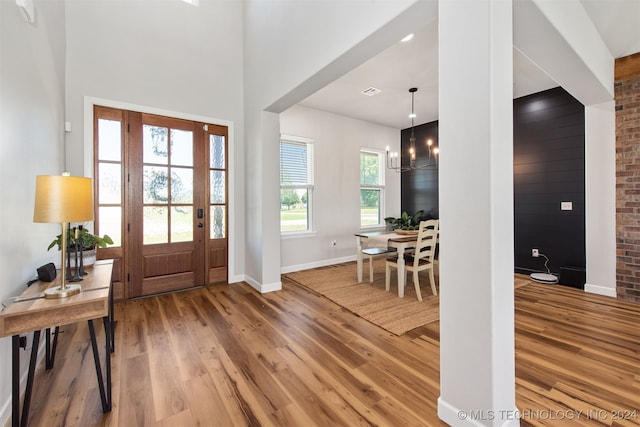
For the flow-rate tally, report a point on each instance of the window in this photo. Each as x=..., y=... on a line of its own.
x=296, y=184
x=371, y=188
x=109, y=173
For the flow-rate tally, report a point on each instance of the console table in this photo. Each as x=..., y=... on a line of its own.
x=31, y=312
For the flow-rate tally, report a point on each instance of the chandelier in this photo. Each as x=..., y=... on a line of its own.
x=394, y=160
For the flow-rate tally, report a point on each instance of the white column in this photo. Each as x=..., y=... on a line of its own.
x=477, y=368
x=270, y=202
x=600, y=183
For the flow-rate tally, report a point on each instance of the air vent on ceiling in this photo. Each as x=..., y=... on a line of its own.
x=370, y=91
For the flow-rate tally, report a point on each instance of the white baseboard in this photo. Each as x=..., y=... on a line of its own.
x=316, y=264
x=271, y=287
x=237, y=278
x=263, y=288
x=600, y=290
x=478, y=418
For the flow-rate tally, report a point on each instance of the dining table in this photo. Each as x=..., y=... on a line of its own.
x=401, y=242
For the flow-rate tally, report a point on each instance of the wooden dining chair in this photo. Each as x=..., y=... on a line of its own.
x=372, y=253
x=421, y=259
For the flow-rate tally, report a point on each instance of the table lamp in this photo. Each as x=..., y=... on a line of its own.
x=63, y=199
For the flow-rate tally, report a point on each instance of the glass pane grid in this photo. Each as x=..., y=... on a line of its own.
x=155, y=224
x=369, y=169
x=168, y=177
x=370, y=207
x=218, y=222
x=155, y=141
x=108, y=198
x=181, y=224
x=294, y=209
x=110, y=223
x=109, y=140
x=217, y=151
x=109, y=183
x=217, y=186
x=181, y=147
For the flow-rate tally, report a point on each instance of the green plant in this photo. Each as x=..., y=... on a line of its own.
x=89, y=241
x=406, y=221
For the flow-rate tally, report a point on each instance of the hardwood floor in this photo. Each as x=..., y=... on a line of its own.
x=228, y=356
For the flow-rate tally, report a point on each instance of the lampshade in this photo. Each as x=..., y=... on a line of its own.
x=63, y=199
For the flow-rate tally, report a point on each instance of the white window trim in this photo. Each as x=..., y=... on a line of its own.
x=310, y=186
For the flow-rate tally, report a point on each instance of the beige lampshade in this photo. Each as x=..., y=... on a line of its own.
x=63, y=199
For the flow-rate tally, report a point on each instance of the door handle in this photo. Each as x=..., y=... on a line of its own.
x=200, y=225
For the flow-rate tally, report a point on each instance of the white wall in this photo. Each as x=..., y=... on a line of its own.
x=31, y=140
x=600, y=186
x=559, y=37
x=165, y=55
x=292, y=49
x=336, y=194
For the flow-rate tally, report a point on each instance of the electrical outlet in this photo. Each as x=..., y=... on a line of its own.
x=535, y=253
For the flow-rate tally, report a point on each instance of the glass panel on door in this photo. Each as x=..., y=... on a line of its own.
x=217, y=259
x=167, y=185
x=217, y=186
x=109, y=174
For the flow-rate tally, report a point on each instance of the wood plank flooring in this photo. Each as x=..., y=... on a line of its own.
x=228, y=356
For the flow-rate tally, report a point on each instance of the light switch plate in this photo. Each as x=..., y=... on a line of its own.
x=566, y=206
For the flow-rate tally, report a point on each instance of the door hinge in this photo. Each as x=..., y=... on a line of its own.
x=128, y=227
x=128, y=277
x=128, y=127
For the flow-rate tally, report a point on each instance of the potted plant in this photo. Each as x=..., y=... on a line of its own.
x=90, y=242
x=405, y=222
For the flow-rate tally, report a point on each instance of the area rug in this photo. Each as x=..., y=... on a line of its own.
x=339, y=283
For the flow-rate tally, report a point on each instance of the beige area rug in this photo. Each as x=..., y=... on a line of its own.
x=370, y=301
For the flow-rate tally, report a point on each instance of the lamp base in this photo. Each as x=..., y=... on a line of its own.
x=58, y=292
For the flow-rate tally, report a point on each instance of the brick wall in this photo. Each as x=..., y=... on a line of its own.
x=627, y=94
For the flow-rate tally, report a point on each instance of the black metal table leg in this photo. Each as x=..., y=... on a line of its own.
x=51, y=349
x=109, y=345
x=16, y=419
x=112, y=322
x=32, y=369
x=104, y=397
x=15, y=381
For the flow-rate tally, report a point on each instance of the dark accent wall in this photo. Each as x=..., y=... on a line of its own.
x=549, y=168
x=420, y=187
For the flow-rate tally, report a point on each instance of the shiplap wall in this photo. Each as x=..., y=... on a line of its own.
x=549, y=168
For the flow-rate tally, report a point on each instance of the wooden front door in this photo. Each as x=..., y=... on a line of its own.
x=174, y=216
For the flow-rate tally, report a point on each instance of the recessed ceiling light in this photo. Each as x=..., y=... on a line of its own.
x=407, y=38
x=193, y=2
x=370, y=91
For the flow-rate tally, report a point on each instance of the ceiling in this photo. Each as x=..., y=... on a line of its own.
x=415, y=64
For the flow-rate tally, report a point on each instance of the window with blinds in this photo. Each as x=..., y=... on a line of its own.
x=296, y=184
